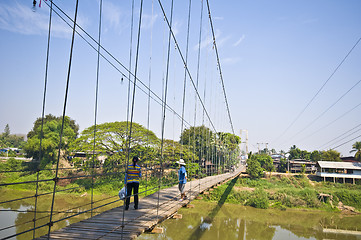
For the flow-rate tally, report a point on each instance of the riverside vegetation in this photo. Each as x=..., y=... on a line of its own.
x=287, y=191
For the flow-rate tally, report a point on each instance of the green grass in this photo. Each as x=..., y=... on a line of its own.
x=294, y=191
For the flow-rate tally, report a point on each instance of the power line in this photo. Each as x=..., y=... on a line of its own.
x=332, y=105
x=346, y=142
x=324, y=84
x=343, y=115
x=343, y=134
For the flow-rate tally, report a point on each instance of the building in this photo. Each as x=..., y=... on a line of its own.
x=296, y=166
x=339, y=171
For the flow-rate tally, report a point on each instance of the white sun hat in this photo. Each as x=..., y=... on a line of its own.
x=181, y=162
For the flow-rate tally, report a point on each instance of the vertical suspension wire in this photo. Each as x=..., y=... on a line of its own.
x=149, y=81
x=164, y=106
x=219, y=65
x=133, y=100
x=63, y=119
x=42, y=117
x=198, y=64
x=185, y=73
x=130, y=59
x=96, y=104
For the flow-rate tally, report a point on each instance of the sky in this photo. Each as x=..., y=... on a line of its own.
x=291, y=70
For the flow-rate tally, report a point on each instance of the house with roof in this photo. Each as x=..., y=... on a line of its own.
x=296, y=166
x=339, y=171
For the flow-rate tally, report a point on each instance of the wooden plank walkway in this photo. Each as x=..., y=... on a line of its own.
x=108, y=225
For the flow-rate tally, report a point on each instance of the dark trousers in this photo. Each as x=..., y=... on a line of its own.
x=135, y=187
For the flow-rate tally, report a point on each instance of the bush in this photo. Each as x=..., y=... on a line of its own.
x=350, y=198
x=259, y=199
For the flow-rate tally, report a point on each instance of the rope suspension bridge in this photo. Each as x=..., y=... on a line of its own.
x=211, y=160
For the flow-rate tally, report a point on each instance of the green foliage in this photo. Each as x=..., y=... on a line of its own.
x=283, y=165
x=296, y=153
x=10, y=140
x=331, y=155
x=316, y=156
x=254, y=168
x=349, y=197
x=356, y=147
x=266, y=162
x=258, y=199
x=50, y=138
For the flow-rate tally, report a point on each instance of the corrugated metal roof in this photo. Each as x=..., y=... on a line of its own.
x=342, y=165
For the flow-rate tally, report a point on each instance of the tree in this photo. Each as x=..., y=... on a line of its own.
x=331, y=155
x=316, y=156
x=296, y=153
x=254, y=168
x=199, y=139
x=112, y=138
x=356, y=147
x=266, y=162
x=10, y=140
x=48, y=118
x=283, y=165
x=50, y=139
x=7, y=130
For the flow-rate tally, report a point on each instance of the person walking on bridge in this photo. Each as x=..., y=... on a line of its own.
x=182, y=179
x=132, y=177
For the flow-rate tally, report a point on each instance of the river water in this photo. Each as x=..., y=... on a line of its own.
x=17, y=216
x=204, y=221
x=210, y=221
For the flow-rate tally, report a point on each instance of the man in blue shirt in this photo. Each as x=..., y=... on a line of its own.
x=182, y=179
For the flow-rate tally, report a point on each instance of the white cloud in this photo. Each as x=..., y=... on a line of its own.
x=22, y=19
x=112, y=14
x=229, y=61
x=239, y=40
x=148, y=20
x=218, y=18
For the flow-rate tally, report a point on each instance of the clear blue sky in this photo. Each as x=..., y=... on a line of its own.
x=275, y=56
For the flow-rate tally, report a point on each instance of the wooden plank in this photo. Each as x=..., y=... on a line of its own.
x=107, y=225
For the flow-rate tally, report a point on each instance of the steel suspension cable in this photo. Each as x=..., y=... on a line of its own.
x=133, y=101
x=149, y=80
x=183, y=60
x=62, y=124
x=219, y=65
x=115, y=59
x=96, y=102
x=164, y=107
x=185, y=73
x=42, y=116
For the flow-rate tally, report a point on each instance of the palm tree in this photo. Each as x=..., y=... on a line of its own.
x=357, y=148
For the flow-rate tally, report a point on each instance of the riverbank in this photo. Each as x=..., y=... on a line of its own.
x=288, y=192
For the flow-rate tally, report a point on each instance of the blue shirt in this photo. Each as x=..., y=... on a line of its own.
x=182, y=174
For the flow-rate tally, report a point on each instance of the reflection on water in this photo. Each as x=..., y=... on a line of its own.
x=239, y=222
x=21, y=213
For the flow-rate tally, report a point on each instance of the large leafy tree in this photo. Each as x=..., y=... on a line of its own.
x=356, y=147
x=198, y=138
x=50, y=138
x=316, y=156
x=48, y=118
x=331, y=155
x=296, y=153
x=112, y=139
x=254, y=168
